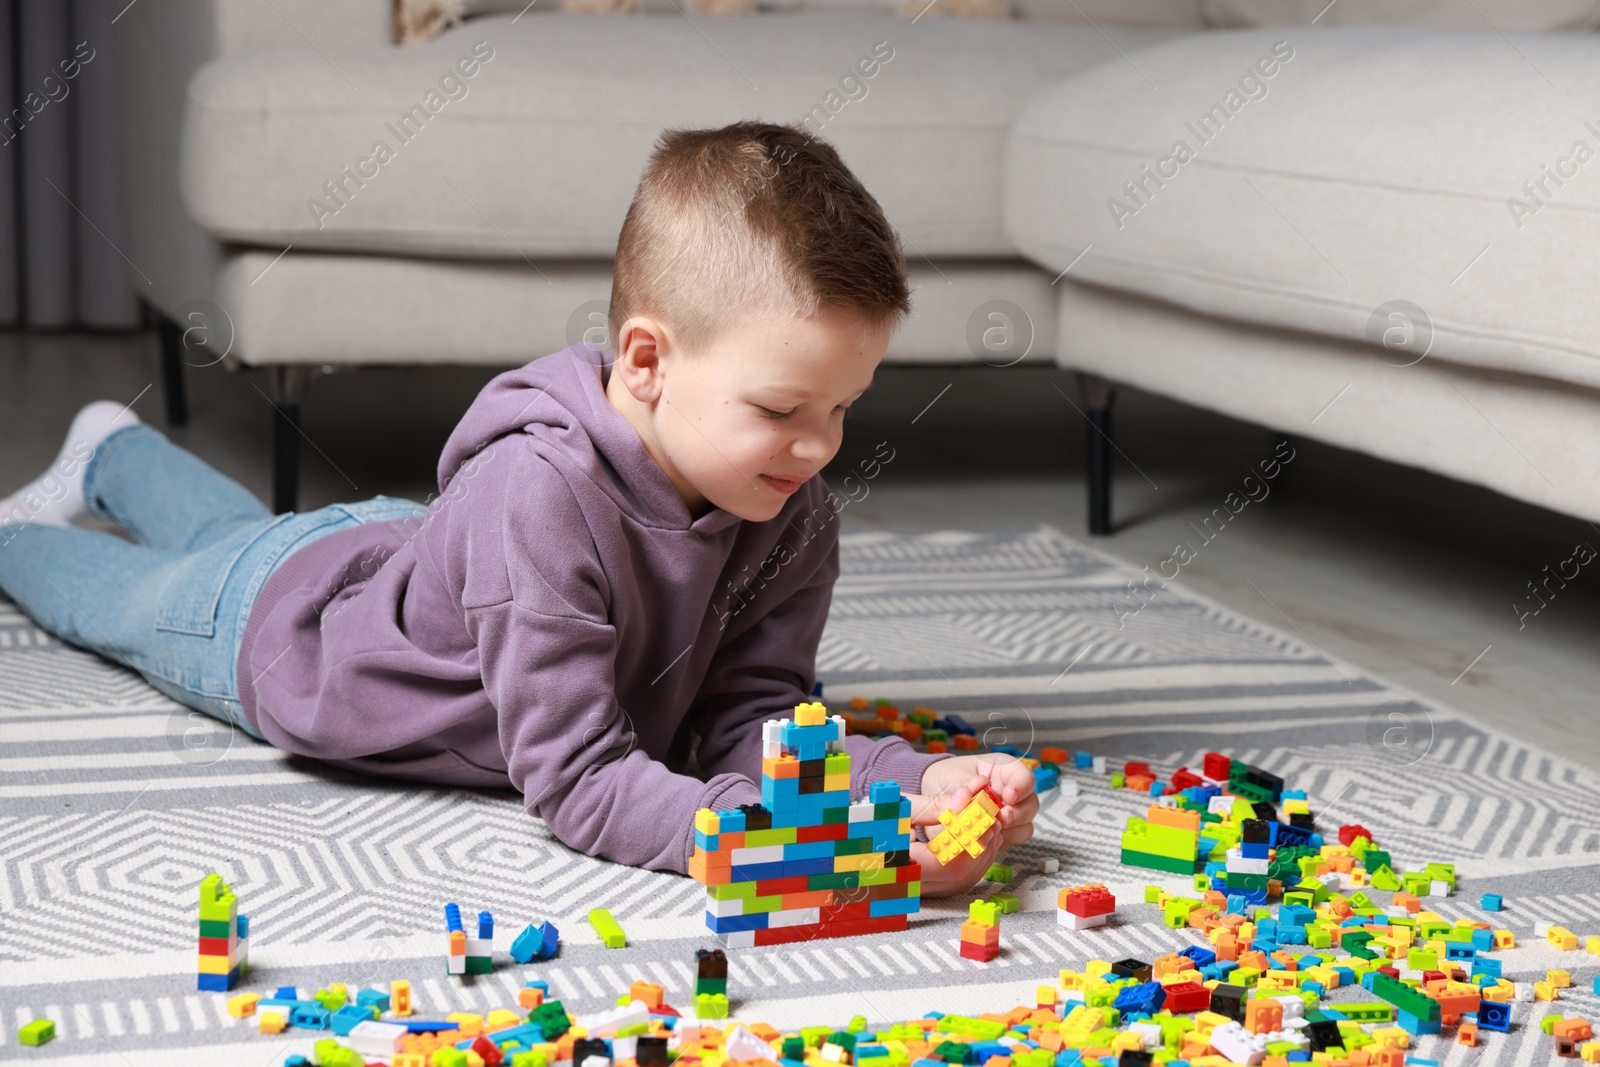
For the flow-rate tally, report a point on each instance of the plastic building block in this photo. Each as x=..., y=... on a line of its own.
x=999, y=872
x=810, y=861
x=536, y=943
x=711, y=1005
x=463, y=954
x=1083, y=906
x=610, y=932
x=37, y=1032
x=962, y=831
x=224, y=937
x=980, y=934
x=1491, y=902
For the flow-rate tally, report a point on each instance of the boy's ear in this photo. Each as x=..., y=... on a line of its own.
x=641, y=342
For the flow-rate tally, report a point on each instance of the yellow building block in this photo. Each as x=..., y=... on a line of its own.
x=1505, y=939
x=1590, y=1052
x=243, y=1004
x=810, y=714
x=1544, y=991
x=1559, y=979
x=400, y=998
x=1391, y=1037
x=1562, y=938
x=273, y=1020
x=469, y=1025
x=1592, y=945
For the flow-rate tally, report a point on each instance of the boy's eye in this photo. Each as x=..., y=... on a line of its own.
x=769, y=413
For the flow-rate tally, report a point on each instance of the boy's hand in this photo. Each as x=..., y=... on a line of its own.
x=952, y=783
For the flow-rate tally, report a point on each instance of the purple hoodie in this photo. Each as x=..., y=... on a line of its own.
x=557, y=623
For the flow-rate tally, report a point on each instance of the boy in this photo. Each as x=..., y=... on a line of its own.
x=631, y=552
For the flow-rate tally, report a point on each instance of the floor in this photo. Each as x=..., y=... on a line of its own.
x=1414, y=577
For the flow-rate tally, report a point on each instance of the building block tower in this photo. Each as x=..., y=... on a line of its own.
x=807, y=862
x=980, y=934
x=468, y=955
x=1166, y=839
x=1081, y=907
x=224, y=936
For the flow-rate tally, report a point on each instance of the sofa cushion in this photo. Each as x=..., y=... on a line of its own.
x=348, y=308
x=1314, y=178
x=540, y=151
x=1507, y=16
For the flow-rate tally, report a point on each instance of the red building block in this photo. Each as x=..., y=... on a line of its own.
x=1087, y=901
x=1186, y=996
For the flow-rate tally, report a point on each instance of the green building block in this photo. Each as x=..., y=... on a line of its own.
x=1443, y=872
x=999, y=872
x=1158, y=863
x=610, y=933
x=1176, y=913
x=1152, y=894
x=37, y=1032
x=710, y=985
x=551, y=1018
x=1405, y=998
x=985, y=912
x=532, y=1058
x=448, y=1057
x=1364, y=1011
x=711, y=1006
x=217, y=902
x=329, y=1053
x=1006, y=902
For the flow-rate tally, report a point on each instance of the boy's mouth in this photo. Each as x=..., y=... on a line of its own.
x=783, y=485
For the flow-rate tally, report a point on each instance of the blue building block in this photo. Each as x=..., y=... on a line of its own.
x=536, y=943
x=1491, y=901
x=368, y=998
x=1084, y=762
x=1145, y=997
x=1493, y=1015
x=1045, y=777
x=1411, y=1024
x=485, y=926
x=347, y=1018
x=884, y=792
x=1201, y=956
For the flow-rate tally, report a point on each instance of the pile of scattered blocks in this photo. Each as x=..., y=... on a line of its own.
x=808, y=862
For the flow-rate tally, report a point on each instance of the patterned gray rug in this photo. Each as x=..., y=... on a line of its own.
x=116, y=802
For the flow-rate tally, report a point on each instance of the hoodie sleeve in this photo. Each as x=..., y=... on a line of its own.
x=547, y=654
x=768, y=665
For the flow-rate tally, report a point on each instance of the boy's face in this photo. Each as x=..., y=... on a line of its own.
x=744, y=423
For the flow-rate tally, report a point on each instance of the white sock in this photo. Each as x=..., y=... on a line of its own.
x=55, y=498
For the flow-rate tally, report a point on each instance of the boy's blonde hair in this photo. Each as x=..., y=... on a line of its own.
x=749, y=217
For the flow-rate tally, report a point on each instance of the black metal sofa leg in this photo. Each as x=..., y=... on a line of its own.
x=1097, y=394
x=289, y=385
x=172, y=372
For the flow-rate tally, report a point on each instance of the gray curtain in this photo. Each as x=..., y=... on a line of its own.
x=60, y=201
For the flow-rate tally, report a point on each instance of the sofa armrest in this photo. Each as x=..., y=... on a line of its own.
x=159, y=45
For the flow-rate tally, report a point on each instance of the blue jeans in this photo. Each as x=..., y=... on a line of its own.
x=173, y=605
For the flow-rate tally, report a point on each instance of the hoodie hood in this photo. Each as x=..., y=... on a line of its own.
x=561, y=399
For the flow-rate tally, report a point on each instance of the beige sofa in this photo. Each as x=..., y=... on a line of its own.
x=487, y=237
x=1388, y=243
x=1336, y=259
